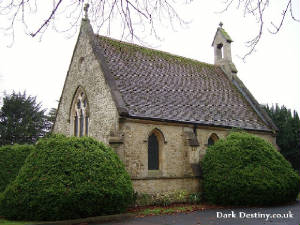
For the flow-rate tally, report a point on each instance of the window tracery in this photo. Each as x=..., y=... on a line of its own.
x=81, y=114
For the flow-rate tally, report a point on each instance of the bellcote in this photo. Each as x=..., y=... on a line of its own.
x=222, y=50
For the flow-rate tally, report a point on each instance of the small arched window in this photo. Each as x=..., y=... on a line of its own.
x=212, y=139
x=153, y=152
x=80, y=113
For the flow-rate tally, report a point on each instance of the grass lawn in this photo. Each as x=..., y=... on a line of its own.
x=163, y=210
x=172, y=209
x=9, y=222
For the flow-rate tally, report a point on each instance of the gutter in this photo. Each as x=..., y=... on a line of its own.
x=193, y=123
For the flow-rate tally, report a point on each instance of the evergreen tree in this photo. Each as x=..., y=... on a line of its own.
x=52, y=115
x=50, y=119
x=21, y=119
x=288, y=135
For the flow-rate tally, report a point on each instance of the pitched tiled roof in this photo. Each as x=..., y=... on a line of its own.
x=160, y=86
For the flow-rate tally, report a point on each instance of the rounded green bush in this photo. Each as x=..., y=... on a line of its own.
x=12, y=158
x=68, y=178
x=244, y=169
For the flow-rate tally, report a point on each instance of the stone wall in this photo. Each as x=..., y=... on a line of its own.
x=152, y=186
x=85, y=72
x=177, y=169
x=173, y=153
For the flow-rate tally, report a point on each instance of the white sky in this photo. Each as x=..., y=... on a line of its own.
x=272, y=73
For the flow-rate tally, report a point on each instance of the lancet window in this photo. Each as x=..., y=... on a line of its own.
x=81, y=114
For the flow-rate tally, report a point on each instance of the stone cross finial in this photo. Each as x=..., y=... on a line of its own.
x=220, y=24
x=86, y=9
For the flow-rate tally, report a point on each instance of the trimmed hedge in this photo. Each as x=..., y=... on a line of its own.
x=68, y=178
x=12, y=158
x=244, y=169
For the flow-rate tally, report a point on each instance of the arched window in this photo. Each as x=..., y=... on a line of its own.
x=212, y=139
x=80, y=113
x=220, y=51
x=153, y=152
x=76, y=125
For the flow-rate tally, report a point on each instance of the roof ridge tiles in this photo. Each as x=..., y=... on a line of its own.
x=172, y=55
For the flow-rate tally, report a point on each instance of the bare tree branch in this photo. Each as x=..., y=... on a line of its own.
x=256, y=9
x=47, y=20
x=134, y=15
x=252, y=43
x=292, y=14
x=277, y=28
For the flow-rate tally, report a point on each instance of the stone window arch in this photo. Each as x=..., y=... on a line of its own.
x=220, y=51
x=80, y=113
x=155, y=144
x=212, y=139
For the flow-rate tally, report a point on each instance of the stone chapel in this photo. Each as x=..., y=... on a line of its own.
x=157, y=110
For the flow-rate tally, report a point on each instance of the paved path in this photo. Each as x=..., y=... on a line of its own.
x=209, y=217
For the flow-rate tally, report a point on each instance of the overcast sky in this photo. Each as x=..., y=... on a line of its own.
x=272, y=73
